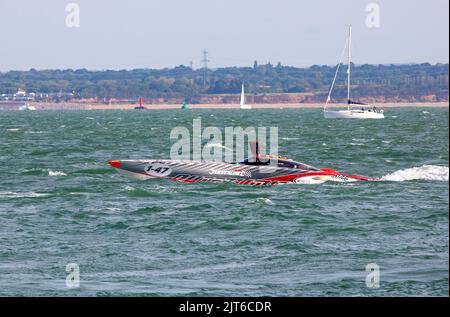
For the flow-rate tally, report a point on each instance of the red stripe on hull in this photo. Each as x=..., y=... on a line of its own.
x=292, y=177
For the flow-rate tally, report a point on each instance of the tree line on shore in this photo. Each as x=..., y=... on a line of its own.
x=409, y=82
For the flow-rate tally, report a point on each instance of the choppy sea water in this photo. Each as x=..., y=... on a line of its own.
x=61, y=203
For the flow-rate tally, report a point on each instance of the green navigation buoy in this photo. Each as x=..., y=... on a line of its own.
x=184, y=105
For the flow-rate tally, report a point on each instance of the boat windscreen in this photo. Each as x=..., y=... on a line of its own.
x=280, y=163
x=297, y=165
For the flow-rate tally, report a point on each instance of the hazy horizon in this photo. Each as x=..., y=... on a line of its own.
x=210, y=68
x=148, y=34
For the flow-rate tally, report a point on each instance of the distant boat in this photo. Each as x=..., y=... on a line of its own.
x=27, y=107
x=242, y=103
x=364, y=111
x=141, y=104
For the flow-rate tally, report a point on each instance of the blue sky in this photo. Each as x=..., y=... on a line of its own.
x=130, y=34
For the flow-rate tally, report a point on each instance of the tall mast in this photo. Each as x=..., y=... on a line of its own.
x=349, y=64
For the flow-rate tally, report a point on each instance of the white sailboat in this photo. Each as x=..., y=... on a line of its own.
x=242, y=103
x=364, y=111
x=28, y=107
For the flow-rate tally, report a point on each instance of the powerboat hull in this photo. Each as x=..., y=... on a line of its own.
x=220, y=172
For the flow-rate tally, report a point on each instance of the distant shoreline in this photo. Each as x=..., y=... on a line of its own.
x=94, y=106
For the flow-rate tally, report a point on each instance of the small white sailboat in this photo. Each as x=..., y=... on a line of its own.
x=364, y=111
x=243, y=105
x=27, y=106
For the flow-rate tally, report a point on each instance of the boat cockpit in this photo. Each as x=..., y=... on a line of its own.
x=280, y=162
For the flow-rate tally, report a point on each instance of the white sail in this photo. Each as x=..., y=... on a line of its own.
x=242, y=103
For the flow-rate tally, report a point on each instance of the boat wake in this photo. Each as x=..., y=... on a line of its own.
x=424, y=172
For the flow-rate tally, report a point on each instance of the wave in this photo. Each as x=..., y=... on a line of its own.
x=355, y=144
x=265, y=201
x=38, y=171
x=424, y=172
x=35, y=132
x=139, y=192
x=56, y=173
x=95, y=171
x=6, y=194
